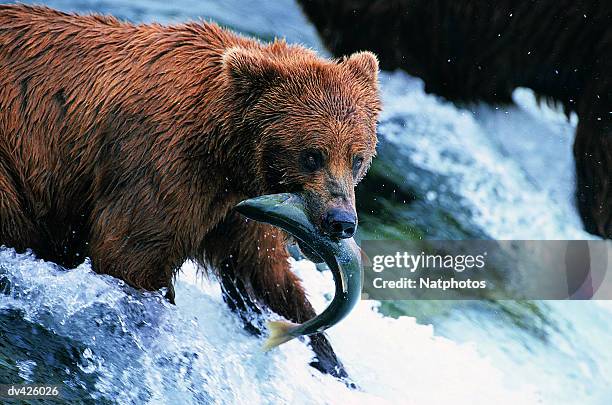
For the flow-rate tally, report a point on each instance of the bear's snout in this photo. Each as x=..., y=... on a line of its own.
x=339, y=223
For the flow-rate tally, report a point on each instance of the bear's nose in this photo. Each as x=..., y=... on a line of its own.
x=340, y=223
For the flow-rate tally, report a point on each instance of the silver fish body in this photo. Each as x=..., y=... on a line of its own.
x=287, y=211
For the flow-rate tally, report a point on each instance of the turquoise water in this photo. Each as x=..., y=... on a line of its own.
x=442, y=172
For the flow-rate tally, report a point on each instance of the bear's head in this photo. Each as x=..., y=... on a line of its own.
x=315, y=125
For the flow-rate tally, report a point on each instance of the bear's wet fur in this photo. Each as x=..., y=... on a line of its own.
x=473, y=50
x=130, y=144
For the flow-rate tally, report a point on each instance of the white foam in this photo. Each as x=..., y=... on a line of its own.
x=167, y=354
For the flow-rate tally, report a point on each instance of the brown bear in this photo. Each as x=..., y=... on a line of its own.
x=470, y=50
x=131, y=144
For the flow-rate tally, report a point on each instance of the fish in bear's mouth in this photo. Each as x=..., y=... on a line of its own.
x=287, y=211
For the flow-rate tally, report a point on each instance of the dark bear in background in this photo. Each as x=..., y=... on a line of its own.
x=471, y=50
x=131, y=144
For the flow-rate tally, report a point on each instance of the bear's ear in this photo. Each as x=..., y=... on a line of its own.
x=364, y=64
x=249, y=70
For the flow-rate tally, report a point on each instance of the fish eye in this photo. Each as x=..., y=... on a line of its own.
x=357, y=164
x=311, y=160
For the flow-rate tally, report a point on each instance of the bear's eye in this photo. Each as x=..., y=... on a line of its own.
x=357, y=163
x=312, y=160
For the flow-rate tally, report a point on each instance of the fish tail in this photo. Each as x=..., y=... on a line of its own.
x=279, y=334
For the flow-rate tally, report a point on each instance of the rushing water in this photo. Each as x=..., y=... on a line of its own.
x=442, y=171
